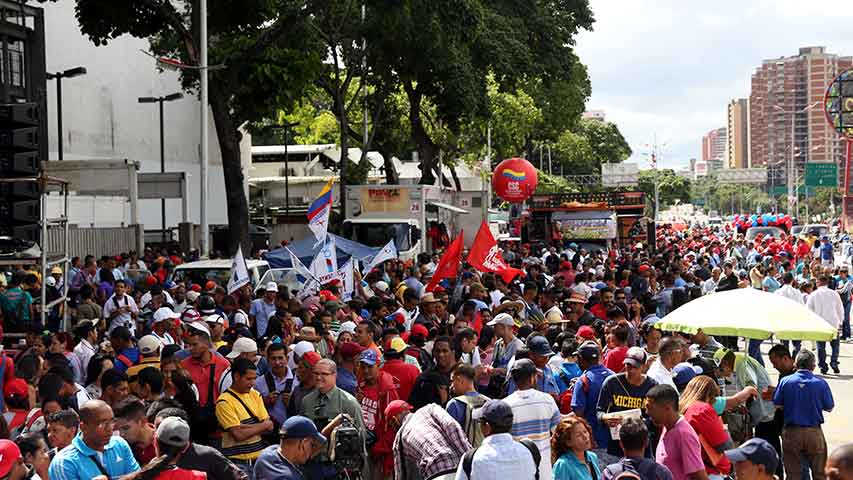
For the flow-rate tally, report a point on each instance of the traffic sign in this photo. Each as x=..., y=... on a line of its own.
x=821, y=174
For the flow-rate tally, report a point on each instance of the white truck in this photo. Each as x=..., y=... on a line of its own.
x=378, y=213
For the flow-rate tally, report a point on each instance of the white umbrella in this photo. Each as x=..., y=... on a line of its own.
x=751, y=313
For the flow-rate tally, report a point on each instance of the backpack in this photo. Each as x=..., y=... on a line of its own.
x=471, y=427
x=644, y=470
x=566, y=397
x=468, y=459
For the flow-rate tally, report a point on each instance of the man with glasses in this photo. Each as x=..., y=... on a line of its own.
x=300, y=440
x=325, y=403
x=95, y=452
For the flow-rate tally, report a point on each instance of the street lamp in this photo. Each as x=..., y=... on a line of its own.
x=58, y=76
x=790, y=175
x=161, y=100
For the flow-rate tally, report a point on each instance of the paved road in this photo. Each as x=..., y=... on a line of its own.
x=838, y=428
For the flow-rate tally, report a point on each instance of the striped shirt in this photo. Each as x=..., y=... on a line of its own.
x=430, y=443
x=535, y=416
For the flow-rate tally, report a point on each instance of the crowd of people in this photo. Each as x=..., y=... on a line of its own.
x=563, y=372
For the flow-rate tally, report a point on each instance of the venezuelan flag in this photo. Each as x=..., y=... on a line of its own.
x=322, y=201
x=514, y=175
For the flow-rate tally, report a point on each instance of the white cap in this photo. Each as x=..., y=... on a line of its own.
x=502, y=319
x=200, y=326
x=381, y=285
x=50, y=282
x=243, y=345
x=303, y=347
x=215, y=318
x=192, y=296
x=347, y=326
x=149, y=344
x=272, y=287
x=164, y=313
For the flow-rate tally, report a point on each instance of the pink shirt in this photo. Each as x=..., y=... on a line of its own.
x=679, y=450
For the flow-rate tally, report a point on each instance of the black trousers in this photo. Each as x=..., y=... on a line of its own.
x=771, y=432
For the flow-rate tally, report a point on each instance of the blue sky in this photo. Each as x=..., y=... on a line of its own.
x=668, y=68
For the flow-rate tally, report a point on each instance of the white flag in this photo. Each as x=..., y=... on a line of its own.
x=347, y=277
x=298, y=266
x=388, y=252
x=324, y=267
x=310, y=287
x=239, y=272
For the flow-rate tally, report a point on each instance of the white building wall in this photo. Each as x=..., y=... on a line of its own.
x=103, y=120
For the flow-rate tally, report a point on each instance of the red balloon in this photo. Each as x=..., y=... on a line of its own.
x=514, y=180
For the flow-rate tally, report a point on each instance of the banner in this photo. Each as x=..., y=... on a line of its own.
x=318, y=212
x=388, y=252
x=347, y=277
x=385, y=200
x=298, y=266
x=324, y=267
x=239, y=272
x=448, y=266
x=485, y=255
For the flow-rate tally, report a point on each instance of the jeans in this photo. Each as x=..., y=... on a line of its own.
x=821, y=353
x=246, y=466
x=797, y=345
x=845, y=324
x=754, y=350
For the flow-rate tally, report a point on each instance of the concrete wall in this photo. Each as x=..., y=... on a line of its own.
x=102, y=118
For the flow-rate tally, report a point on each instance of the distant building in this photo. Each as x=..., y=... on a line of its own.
x=714, y=145
x=594, y=115
x=789, y=87
x=737, y=143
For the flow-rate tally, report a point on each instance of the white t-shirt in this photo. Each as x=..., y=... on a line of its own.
x=124, y=319
x=660, y=374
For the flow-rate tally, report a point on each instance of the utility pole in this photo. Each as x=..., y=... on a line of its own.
x=203, y=87
x=487, y=164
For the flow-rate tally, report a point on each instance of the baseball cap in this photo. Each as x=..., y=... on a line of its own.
x=148, y=344
x=50, y=282
x=502, y=319
x=496, y=412
x=56, y=270
x=757, y=451
x=396, y=344
x=164, y=313
x=242, y=345
x=586, y=332
x=206, y=305
x=589, y=350
x=537, y=344
x=635, y=357
x=17, y=388
x=347, y=326
x=381, y=286
x=311, y=358
x=271, y=287
x=684, y=372
x=419, y=329
x=215, y=318
x=9, y=454
x=210, y=286
x=173, y=431
x=369, y=357
x=200, y=326
x=396, y=407
x=192, y=296
x=522, y=368
x=350, y=350
x=301, y=348
x=300, y=427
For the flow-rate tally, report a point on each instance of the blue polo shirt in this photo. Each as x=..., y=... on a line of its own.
x=546, y=383
x=77, y=461
x=587, y=401
x=803, y=398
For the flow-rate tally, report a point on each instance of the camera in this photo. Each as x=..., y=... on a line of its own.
x=347, y=448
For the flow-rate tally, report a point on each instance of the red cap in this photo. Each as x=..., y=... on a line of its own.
x=312, y=358
x=118, y=258
x=150, y=280
x=10, y=453
x=196, y=288
x=644, y=268
x=586, y=332
x=396, y=407
x=565, y=265
x=16, y=388
x=418, y=329
x=349, y=350
x=210, y=285
x=438, y=289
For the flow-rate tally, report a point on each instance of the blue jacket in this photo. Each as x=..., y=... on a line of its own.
x=75, y=461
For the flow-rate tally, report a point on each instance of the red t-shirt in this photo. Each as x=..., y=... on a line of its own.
x=405, y=375
x=181, y=474
x=145, y=455
x=599, y=311
x=708, y=426
x=613, y=359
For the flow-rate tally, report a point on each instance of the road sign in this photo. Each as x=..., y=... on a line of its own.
x=620, y=174
x=741, y=175
x=821, y=174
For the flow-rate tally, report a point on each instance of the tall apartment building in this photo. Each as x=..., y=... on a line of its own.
x=714, y=145
x=791, y=89
x=737, y=143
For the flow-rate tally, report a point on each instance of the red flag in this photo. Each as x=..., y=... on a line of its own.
x=448, y=266
x=486, y=257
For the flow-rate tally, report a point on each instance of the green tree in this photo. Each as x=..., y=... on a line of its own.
x=671, y=187
x=607, y=143
x=269, y=57
x=574, y=152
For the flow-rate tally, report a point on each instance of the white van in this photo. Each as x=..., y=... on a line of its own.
x=217, y=270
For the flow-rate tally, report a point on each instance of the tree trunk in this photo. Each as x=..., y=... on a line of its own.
x=455, y=177
x=391, y=177
x=229, y=144
x=427, y=150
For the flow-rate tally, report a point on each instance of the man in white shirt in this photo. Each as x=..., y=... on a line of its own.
x=120, y=310
x=710, y=285
x=670, y=355
x=87, y=348
x=499, y=456
x=827, y=304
